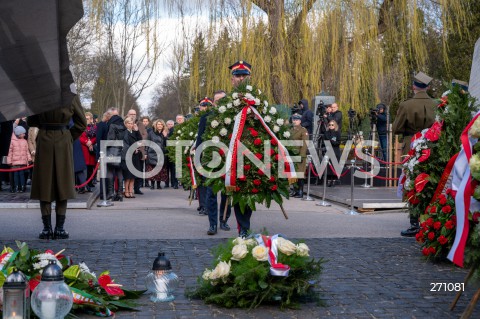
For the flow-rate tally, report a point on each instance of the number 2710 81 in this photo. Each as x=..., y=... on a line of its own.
x=447, y=286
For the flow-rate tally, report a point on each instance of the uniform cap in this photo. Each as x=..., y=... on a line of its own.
x=462, y=84
x=205, y=102
x=241, y=68
x=296, y=117
x=421, y=80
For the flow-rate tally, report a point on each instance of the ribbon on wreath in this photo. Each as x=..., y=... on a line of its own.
x=463, y=197
x=191, y=170
x=83, y=298
x=7, y=258
x=270, y=242
x=231, y=160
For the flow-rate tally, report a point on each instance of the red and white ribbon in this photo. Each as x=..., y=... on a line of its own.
x=191, y=170
x=463, y=198
x=270, y=242
x=238, y=127
x=6, y=258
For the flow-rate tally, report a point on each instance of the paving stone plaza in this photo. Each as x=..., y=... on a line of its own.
x=370, y=271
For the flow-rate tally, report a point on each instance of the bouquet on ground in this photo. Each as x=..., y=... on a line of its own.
x=259, y=270
x=98, y=295
x=437, y=226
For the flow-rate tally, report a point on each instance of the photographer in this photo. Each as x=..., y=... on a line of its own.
x=307, y=117
x=324, y=113
x=381, y=117
x=336, y=115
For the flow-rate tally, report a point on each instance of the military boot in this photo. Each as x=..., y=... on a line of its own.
x=47, y=232
x=60, y=232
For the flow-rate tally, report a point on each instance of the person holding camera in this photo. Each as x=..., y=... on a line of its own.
x=336, y=116
x=381, y=120
x=307, y=116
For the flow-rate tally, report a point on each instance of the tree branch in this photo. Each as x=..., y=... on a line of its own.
x=383, y=14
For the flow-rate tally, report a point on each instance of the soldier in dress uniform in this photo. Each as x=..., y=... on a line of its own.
x=299, y=133
x=53, y=176
x=414, y=115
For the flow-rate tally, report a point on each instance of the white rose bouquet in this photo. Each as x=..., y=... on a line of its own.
x=245, y=273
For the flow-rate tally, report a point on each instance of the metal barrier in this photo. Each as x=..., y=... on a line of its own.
x=309, y=161
x=323, y=202
x=104, y=202
x=352, y=182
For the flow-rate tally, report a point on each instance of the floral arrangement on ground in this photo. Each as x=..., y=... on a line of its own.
x=260, y=270
x=98, y=295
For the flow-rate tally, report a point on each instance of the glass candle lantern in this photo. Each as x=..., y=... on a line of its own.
x=162, y=281
x=16, y=295
x=52, y=298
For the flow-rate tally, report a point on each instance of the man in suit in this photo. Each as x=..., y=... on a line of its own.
x=414, y=115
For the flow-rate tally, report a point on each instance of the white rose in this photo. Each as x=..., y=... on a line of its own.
x=229, y=105
x=286, y=246
x=223, y=132
x=215, y=139
x=222, y=270
x=267, y=118
x=302, y=250
x=239, y=252
x=239, y=241
x=475, y=165
x=265, y=103
x=196, y=134
x=206, y=274
x=264, y=111
x=273, y=110
x=214, y=123
x=249, y=87
x=235, y=95
x=259, y=92
x=474, y=130
x=286, y=134
x=191, y=134
x=249, y=96
x=276, y=128
x=260, y=253
x=280, y=121
x=257, y=101
x=222, y=109
x=179, y=131
x=178, y=137
x=250, y=242
x=237, y=102
x=227, y=120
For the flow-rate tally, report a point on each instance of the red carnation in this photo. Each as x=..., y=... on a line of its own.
x=242, y=178
x=433, y=133
x=257, y=142
x=276, y=157
x=237, y=189
x=260, y=172
x=257, y=182
x=247, y=167
x=433, y=210
x=420, y=237
x=253, y=132
x=272, y=152
x=475, y=217
x=259, y=156
x=254, y=190
x=273, y=141
x=274, y=187
x=437, y=225
x=449, y=224
x=221, y=152
x=189, y=165
x=431, y=236
x=442, y=200
x=446, y=209
x=442, y=240
x=443, y=101
x=432, y=250
x=425, y=251
x=429, y=222
x=272, y=179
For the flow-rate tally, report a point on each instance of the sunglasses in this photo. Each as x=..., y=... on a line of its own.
x=205, y=104
x=331, y=124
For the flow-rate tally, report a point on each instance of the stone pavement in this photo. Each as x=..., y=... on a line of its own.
x=371, y=272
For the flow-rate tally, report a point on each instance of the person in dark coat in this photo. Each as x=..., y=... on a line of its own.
x=102, y=135
x=158, y=135
x=333, y=135
x=130, y=137
x=79, y=166
x=116, y=130
x=381, y=111
x=53, y=174
x=336, y=115
x=307, y=117
x=171, y=164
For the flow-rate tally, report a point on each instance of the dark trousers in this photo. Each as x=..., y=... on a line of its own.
x=19, y=178
x=201, y=196
x=171, y=171
x=243, y=220
x=383, y=144
x=223, y=202
x=211, y=205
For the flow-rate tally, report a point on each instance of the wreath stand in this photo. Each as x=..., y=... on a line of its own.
x=467, y=313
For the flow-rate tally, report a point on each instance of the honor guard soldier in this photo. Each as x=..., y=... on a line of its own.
x=414, y=115
x=299, y=133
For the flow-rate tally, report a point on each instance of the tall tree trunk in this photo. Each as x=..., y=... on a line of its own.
x=276, y=22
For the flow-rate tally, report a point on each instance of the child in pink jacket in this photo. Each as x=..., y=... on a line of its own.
x=18, y=157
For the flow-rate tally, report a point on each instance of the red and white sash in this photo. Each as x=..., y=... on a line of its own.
x=270, y=242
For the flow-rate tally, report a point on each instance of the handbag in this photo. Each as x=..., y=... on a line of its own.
x=4, y=160
x=114, y=151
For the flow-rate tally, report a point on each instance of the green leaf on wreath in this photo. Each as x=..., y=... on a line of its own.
x=72, y=272
x=2, y=278
x=262, y=284
x=476, y=193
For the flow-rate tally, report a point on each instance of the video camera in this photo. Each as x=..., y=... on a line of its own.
x=373, y=115
x=352, y=113
x=321, y=109
x=296, y=108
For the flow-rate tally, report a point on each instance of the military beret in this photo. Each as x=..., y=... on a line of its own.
x=240, y=68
